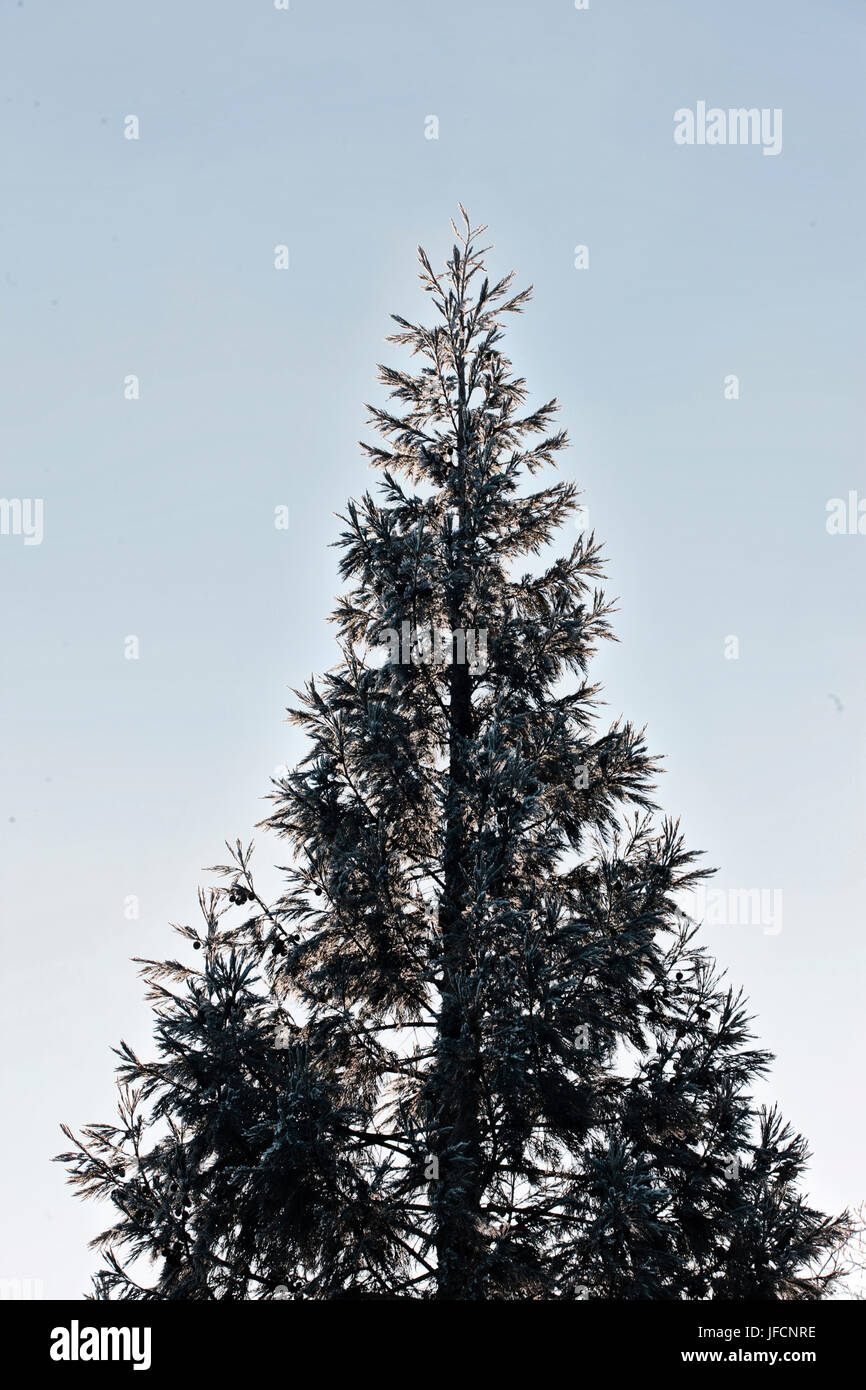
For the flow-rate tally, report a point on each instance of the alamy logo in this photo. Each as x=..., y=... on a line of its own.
x=76, y=1343
x=438, y=646
x=846, y=519
x=21, y=1288
x=22, y=516
x=739, y=125
x=735, y=907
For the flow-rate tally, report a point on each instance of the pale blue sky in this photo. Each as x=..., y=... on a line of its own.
x=155, y=257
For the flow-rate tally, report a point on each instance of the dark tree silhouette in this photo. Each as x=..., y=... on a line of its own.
x=473, y=1051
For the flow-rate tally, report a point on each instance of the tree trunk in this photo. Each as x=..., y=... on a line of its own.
x=458, y=1091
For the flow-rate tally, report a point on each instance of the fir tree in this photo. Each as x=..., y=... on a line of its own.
x=473, y=1051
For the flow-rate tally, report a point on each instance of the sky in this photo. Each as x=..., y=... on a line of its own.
x=165, y=387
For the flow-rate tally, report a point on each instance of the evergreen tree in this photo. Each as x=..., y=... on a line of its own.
x=473, y=1051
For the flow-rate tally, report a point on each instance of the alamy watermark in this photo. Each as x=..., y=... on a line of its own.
x=436, y=646
x=23, y=516
x=736, y=907
x=846, y=518
x=738, y=125
x=15, y=1289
